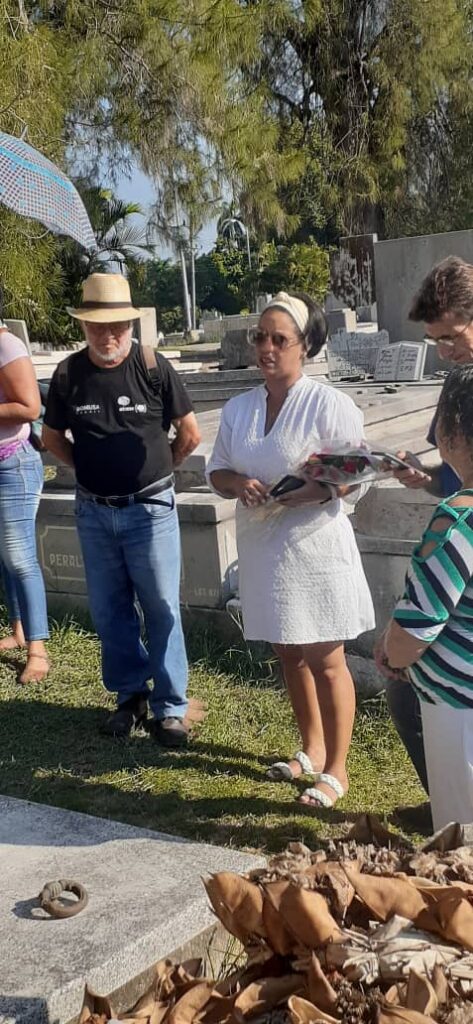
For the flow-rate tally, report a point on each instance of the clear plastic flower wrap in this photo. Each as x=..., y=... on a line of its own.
x=334, y=462
x=343, y=464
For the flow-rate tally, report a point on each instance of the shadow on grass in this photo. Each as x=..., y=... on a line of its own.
x=54, y=754
x=51, y=732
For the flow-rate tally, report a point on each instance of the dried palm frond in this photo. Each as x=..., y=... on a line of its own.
x=364, y=931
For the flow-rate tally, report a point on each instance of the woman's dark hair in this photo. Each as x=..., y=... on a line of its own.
x=315, y=334
x=455, y=409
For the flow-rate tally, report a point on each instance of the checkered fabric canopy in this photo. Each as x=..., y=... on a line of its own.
x=34, y=187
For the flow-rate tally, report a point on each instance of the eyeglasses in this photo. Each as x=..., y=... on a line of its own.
x=449, y=341
x=116, y=328
x=279, y=341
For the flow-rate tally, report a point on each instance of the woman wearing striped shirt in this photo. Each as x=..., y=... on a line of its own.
x=431, y=631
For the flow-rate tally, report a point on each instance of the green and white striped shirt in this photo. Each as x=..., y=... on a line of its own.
x=437, y=607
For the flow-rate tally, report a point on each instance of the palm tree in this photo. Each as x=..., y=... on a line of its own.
x=186, y=200
x=118, y=240
x=234, y=232
x=119, y=243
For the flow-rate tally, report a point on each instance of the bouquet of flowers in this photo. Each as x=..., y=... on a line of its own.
x=341, y=464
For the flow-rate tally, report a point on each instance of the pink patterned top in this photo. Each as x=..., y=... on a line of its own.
x=11, y=348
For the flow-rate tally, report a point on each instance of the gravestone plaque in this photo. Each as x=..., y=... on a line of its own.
x=339, y=365
x=386, y=363
x=58, y=548
x=403, y=361
x=354, y=354
x=411, y=360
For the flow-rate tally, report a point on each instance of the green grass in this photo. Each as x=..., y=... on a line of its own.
x=215, y=790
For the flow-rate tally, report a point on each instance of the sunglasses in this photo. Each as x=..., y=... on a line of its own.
x=258, y=337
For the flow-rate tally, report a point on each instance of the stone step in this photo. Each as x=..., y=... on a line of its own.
x=208, y=352
x=146, y=902
x=45, y=362
x=190, y=368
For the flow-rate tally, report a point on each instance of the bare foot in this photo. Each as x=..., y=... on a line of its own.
x=316, y=762
x=10, y=643
x=327, y=790
x=36, y=669
x=293, y=769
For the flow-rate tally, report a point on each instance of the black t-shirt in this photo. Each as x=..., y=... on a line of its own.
x=119, y=420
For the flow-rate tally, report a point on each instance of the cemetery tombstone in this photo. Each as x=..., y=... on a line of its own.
x=367, y=314
x=386, y=363
x=146, y=328
x=353, y=354
x=331, y=302
x=340, y=319
x=402, y=361
x=237, y=350
x=262, y=302
x=20, y=330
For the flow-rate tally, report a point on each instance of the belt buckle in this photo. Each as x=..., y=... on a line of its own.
x=110, y=503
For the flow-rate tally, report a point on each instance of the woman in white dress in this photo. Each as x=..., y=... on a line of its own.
x=302, y=585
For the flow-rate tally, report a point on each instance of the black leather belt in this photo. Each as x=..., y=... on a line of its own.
x=145, y=496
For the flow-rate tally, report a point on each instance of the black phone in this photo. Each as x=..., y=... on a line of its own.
x=288, y=483
x=392, y=460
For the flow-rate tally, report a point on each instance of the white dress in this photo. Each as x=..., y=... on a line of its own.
x=300, y=573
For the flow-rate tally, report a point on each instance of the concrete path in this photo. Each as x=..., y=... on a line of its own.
x=146, y=900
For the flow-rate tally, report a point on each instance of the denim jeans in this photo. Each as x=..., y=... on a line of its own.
x=130, y=553
x=21, y=481
x=404, y=708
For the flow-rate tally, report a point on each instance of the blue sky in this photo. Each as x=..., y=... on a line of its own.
x=139, y=189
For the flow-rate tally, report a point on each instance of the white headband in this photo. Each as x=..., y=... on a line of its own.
x=295, y=307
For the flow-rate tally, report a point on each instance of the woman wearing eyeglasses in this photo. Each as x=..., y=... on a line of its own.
x=302, y=585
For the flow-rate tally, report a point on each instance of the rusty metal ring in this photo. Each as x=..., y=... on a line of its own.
x=50, y=893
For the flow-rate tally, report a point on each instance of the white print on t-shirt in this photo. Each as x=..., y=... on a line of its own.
x=135, y=408
x=92, y=407
x=124, y=403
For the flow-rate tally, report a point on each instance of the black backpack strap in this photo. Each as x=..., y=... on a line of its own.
x=148, y=356
x=63, y=377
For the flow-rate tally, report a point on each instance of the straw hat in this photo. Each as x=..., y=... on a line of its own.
x=106, y=298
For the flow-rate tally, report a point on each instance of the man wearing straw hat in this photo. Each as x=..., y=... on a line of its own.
x=119, y=408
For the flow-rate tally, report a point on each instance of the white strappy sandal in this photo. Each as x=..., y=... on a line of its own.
x=281, y=771
x=322, y=799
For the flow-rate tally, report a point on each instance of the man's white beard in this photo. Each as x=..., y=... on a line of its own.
x=111, y=357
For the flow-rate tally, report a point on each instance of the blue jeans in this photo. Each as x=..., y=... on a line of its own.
x=404, y=708
x=135, y=552
x=21, y=481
